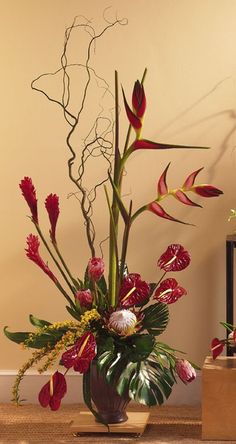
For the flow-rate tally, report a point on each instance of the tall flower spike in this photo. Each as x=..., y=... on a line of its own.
x=29, y=193
x=32, y=252
x=52, y=207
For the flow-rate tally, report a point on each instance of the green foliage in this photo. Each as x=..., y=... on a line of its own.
x=38, y=322
x=156, y=318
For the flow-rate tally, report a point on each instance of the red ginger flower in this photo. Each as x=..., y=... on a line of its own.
x=139, y=294
x=80, y=356
x=217, y=347
x=52, y=393
x=52, y=207
x=185, y=370
x=32, y=252
x=96, y=268
x=169, y=291
x=29, y=193
x=139, y=99
x=85, y=298
x=175, y=258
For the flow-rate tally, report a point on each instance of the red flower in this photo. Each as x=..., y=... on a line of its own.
x=139, y=99
x=80, y=356
x=157, y=209
x=52, y=393
x=96, y=268
x=206, y=190
x=217, y=347
x=136, y=297
x=29, y=194
x=169, y=291
x=175, y=258
x=52, y=207
x=85, y=298
x=32, y=252
x=185, y=370
x=134, y=121
x=183, y=198
x=145, y=144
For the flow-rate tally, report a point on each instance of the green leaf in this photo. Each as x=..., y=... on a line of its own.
x=156, y=318
x=105, y=343
x=17, y=337
x=142, y=347
x=105, y=359
x=75, y=314
x=38, y=322
x=102, y=285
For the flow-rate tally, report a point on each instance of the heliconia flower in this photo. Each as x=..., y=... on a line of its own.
x=162, y=188
x=217, y=347
x=140, y=144
x=140, y=293
x=123, y=322
x=139, y=99
x=29, y=193
x=52, y=207
x=85, y=298
x=157, y=209
x=185, y=370
x=175, y=258
x=191, y=179
x=183, y=198
x=81, y=354
x=52, y=393
x=206, y=190
x=134, y=121
x=169, y=291
x=96, y=268
x=32, y=252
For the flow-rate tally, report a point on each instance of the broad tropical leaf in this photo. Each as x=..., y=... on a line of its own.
x=156, y=318
x=142, y=347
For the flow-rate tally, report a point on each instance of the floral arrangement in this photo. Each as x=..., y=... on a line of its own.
x=116, y=317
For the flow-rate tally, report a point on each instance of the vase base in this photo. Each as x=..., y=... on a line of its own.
x=113, y=418
x=86, y=424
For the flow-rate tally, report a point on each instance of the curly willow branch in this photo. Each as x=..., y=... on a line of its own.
x=97, y=142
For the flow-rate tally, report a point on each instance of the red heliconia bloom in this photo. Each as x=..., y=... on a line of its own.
x=157, y=209
x=183, y=198
x=134, y=121
x=52, y=393
x=169, y=291
x=162, y=188
x=96, y=268
x=175, y=258
x=29, y=193
x=52, y=207
x=185, y=370
x=145, y=144
x=85, y=298
x=136, y=297
x=80, y=356
x=217, y=347
x=206, y=190
x=139, y=99
x=191, y=179
x=32, y=252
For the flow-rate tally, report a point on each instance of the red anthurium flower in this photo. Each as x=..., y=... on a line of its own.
x=29, y=193
x=85, y=298
x=134, y=121
x=96, y=268
x=169, y=291
x=162, y=188
x=175, y=258
x=80, y=356
x=52, y=393
x=191, y=179
x=206, y=190
x=139, y=99
x=183, y=198
x=32, y=252
x=217, y=347
x=133, y=291
x=157, y=209
x=52, y=207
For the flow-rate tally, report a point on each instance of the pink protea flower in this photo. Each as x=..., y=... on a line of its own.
x=175, y=258
x=139, y=294
x=217, y=347
x=185, y=370
x=96, y=268
x=29, y=193
x=123, y=322
x=85, y=298
x=52, y=207
x=52, y=393
x=80, y=356
x=32, y=252
x=169, y=291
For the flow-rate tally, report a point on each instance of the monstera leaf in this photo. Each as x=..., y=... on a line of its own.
x=156, y=318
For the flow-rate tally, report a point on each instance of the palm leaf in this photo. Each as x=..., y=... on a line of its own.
x=156, y=318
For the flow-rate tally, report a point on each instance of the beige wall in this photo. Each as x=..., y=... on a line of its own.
x=188, y=47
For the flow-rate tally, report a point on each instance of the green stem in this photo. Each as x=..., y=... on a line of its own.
x=63, y=262
x=125, y=244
